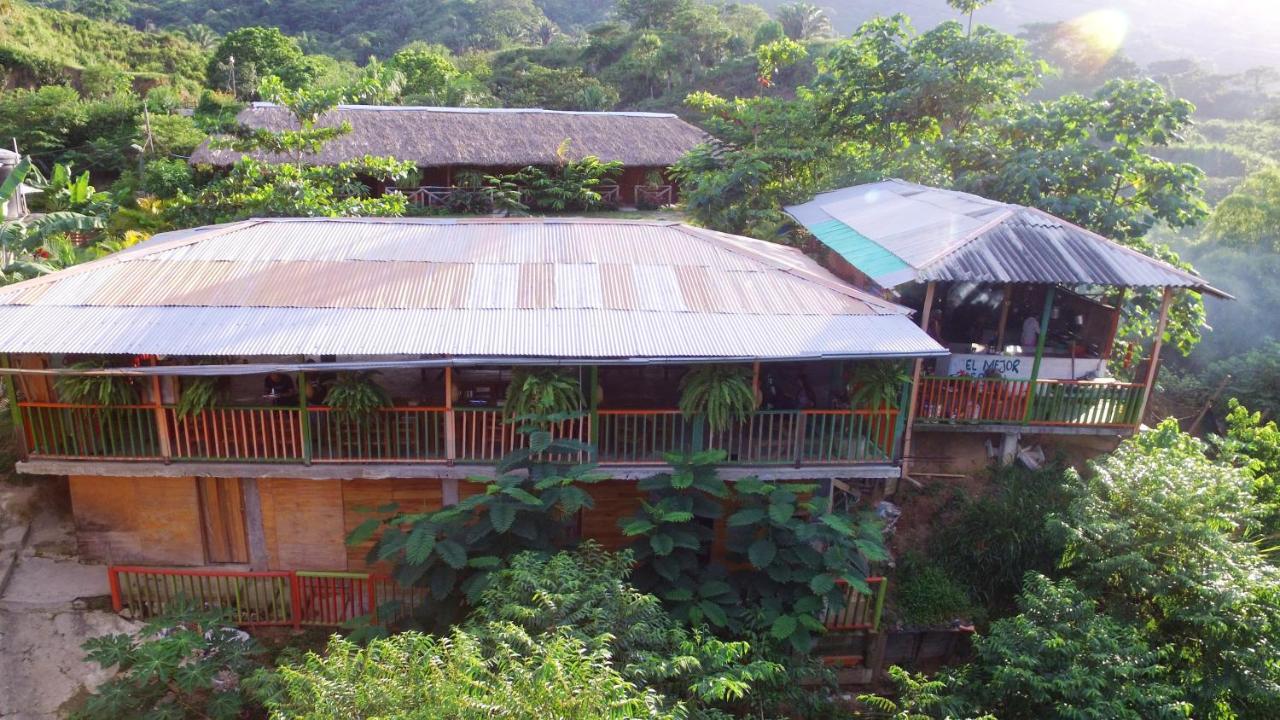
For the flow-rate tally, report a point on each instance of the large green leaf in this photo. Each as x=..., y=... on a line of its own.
x=783, y=627
x=762, y=552
x=422, y=540
x=662, y=545
x=502, y=514
x=781, y=512
x=822, y=584
x=749, y=516
x=714, y=613
x=363, y=532
x=11, y=183
x=838, y=523
x=635, y=526
x=452, y=553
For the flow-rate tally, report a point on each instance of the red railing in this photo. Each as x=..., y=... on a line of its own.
x=255, y=434
x=293, y=597
x=1073, y=403
x=484, y=435
x=642, y=436
x=860, y=610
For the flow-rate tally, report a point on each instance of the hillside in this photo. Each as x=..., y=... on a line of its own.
x=43, y=46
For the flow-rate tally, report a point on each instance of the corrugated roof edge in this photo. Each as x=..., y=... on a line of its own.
x=1193, y=281
x=485, y=111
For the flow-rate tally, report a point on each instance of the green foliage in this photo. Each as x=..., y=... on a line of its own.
x=543, y=392
x=916, y=698
x=105, y=390
x=1160, y=532
x=1254, y=446
x=258, y=52
x=569, y=185
x=877, y=385
x=186, y=663
x=776, y=581
x=355, y=396
x=586, y=594
x=198, y=394
x=804, y=21
x=1061, y=658
x=55, y=123
x=66, y=192
x=720, y=393
x=1250, y=215
x=252, y=188
x=524, y=84
x=990, y=542
x=167, y=179
x=455, y=550
x=925, y=595
x=501, y=673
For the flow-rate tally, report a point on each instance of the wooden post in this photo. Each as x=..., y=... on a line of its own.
x=450, y=429
x=162, y=421
x=1154, y=365
x=1115, y=326
x=304, y=418
x=915, y=380
x=254, y=528
x=1035, y=365
x=15, y=412
x=1004, y=317
x=593, y=403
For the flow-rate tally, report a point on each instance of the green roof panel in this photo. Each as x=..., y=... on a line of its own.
x=859, y=250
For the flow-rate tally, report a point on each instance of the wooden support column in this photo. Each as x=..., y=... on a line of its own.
x=254, y=527
x=162, y=421
x=15, y=412
x=304, y=418
x=1004, y=317
x=593, y=402
x=1115, y=326
x=1035, y=365
x=1154, y=365
x=450, y=428
x=917, y=366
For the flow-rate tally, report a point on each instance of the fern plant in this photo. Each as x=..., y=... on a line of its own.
x=198, y=394
x=543, y=393
x=106, y=390
x=877, y=385
x=355, y=396
x=721, y=393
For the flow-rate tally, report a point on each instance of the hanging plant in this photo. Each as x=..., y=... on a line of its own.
x=722, y=393
x=355, y=396
x=877, y=385
x=96, y=389
x=199, y=394
x=543, y=392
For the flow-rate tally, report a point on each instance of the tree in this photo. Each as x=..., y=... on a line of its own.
x=258, y=52
x=803, y=21
x=1160, y=534
x=648, y=14
x=1060, y=658
x=1250, y=216
x=969, y=7
x=1254, y=446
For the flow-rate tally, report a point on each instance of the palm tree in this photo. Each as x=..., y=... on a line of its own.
x=803, y=21
x=969, y=7
x=202, y=35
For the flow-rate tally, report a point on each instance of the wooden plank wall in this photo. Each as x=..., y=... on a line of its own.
x=359, y=496
x=303, y=524
x=149, y=521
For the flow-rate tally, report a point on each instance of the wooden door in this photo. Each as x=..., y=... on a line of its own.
x=222, y=520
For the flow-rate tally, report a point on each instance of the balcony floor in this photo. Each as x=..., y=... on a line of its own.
x=1005, y=428
x=373, y=471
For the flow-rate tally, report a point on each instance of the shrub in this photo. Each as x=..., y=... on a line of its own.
x=502, y=673
x=185, y=663
x=1059, y=658
x=924, y=594
x=167, y=178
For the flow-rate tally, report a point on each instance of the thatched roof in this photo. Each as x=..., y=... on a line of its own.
x=482, y=137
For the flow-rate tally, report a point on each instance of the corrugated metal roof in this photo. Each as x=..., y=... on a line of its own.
x=480, y=287
x=938, y=234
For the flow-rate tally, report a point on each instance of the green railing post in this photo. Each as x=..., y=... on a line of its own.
x=895, y=452
x=304, y=418
x=1035, y=366
x=11, y=390
x=593, y=402
x=879, y=611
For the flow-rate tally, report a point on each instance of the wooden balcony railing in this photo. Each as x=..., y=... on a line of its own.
x=439, y=434
x=1067, y=403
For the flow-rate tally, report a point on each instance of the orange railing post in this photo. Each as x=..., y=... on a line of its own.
x=295, y=600
x=113, y=579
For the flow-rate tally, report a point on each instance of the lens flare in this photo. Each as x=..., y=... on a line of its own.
x=1095, y=37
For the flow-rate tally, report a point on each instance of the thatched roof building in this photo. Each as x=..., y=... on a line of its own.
x=483, y=137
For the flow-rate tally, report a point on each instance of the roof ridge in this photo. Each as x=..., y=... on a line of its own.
x=832, y=283
x=197, y=234
x=1005, y=213
x=481, y=111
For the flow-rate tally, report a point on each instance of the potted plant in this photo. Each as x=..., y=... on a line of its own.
x=356, y=397
x=107, y=390
x=543, y=392
x=722, y=394
x=199, y=394
x=877, y=386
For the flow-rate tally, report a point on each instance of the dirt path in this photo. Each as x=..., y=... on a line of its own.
x=50, y=606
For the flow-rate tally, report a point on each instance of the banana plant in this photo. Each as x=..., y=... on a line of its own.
x=68, y=192
x=30, y=247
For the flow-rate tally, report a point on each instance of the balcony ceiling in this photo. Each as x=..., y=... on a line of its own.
x=492, y=288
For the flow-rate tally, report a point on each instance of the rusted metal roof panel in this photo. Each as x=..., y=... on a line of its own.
x=510, y=288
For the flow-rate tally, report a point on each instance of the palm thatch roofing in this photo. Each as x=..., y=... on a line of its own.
x=480, y=137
